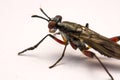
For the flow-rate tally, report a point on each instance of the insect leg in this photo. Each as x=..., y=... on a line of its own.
x=104, y=67
x=35, y=46
x=115, y=39
x=91, y=54
x=57, y=33
x=61, y=56
x=88, y=53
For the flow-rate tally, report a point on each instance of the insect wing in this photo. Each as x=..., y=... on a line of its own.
x=102, y=44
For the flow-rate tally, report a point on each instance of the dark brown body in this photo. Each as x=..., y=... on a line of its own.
x=89, y=37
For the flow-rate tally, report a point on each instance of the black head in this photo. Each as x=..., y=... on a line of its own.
x=52, y=22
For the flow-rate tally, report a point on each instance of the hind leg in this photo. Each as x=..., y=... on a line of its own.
x=115, y=39
x=91, y=54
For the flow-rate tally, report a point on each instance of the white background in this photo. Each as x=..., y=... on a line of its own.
x=19, y=31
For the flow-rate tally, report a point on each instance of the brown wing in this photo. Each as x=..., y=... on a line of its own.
x=100, y=43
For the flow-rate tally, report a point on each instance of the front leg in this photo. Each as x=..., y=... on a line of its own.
x=35, y=46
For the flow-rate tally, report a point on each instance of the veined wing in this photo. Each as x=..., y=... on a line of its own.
x=100, y=43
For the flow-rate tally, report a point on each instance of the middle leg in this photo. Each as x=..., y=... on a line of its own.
x=60, y=57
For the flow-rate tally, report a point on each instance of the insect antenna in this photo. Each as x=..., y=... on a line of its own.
x=45, y=14
x=49, y=19
x=40, y=17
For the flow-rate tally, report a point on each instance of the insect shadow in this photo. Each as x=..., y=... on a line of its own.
x=77, y=61
x=92, y=63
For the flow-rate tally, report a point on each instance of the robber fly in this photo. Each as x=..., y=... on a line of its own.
x=81, y=37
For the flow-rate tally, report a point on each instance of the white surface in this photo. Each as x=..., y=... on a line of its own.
x=19, y=31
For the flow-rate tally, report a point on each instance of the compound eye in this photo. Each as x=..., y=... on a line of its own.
x=52, y=24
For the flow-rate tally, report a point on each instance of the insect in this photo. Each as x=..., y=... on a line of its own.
x=81, y=37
